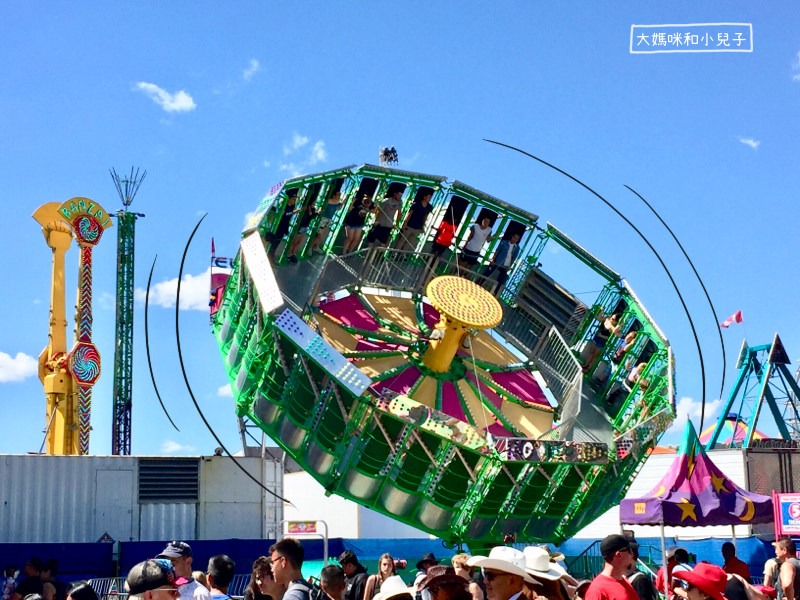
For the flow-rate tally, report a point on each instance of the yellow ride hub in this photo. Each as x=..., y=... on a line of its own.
x=464, y=305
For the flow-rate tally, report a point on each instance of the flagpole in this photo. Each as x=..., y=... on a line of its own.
x=664, y=558
x=211, y=281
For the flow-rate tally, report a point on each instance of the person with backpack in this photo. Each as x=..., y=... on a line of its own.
x=355, y=576
x=641, y=582
x=287, y=564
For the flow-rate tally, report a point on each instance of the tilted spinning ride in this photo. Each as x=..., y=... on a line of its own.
x=433, y=394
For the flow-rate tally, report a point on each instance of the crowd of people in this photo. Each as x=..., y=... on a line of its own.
x=384, y=218
x=38, y=581
x=507, y=573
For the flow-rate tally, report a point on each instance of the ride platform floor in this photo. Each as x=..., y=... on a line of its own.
x=593, y=418
x=297, y=281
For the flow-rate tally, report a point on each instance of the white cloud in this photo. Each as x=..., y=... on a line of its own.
x=105, y=301
x=225, y=391
x=688, y=408
x=171, y=447
x=298, y=141
x=37, y=301
x=194, y=292
x=317, y=154
x=17, y=368
x=407, y=162
x=750, y=142
x=796, y=77
x=248, y=216
x=251, y=70
x=266, y=163
x=180, y=101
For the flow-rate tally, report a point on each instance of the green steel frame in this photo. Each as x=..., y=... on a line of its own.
x=123, y=354
x=358, y=451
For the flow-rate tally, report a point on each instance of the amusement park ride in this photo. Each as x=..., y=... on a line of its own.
x=68, y=377
x=123, y=355
x=425, y=391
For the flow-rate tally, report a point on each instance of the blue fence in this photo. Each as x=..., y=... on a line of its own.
x=75, y=561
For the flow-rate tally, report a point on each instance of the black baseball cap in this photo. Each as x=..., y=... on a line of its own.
x=176, y=550
x=427, y=558
x=616, y=542
x=152, y=574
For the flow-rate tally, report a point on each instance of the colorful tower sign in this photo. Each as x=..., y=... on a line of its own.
x=69, y=377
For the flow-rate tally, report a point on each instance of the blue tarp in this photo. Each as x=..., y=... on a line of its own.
x=74, y=561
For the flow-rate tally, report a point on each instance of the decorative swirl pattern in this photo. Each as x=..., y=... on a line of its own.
x=85, y=364
x=88, y=230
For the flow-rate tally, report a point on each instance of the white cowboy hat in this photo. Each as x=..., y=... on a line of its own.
x=537, y=564
x=393, y=586
x=505, y=559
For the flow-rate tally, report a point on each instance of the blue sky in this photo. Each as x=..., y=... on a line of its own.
x=220, y=101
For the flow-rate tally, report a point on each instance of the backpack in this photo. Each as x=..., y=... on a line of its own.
x=310, y=591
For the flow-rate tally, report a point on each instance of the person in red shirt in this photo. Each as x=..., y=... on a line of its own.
x=733, y=565
x=675, y=556
x=444, y=237
x=611, y=584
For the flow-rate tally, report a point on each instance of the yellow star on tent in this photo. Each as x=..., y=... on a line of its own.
x=719, y=483
x=691, y=461
x=687, y=509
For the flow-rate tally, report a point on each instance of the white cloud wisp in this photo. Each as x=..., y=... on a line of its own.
x=225, y=391
x=195, y=292
x=17, y=368
x=317, y=154
x=180, y=101
x=750, y=142
x=171, y=447
x=251, y=69
x=687, y=408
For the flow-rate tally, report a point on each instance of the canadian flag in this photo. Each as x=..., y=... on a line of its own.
x=736, y=318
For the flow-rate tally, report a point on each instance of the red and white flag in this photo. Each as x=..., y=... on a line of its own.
x=736, y=318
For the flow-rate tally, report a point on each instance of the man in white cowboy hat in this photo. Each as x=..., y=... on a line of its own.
x=538, y=565
x=395, y=588
x=503, y=572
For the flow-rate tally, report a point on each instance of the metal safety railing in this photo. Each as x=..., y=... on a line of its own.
x=108, y=586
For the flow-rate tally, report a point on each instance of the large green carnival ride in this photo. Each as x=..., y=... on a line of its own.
x=511, y=437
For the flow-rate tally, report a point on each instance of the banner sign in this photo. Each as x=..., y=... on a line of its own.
x=787, y=509
x=296, y=527
x=222, y=263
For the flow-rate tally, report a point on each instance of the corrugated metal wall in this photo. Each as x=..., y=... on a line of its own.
x=79, y=498
x=52, y=498
x=159, y=521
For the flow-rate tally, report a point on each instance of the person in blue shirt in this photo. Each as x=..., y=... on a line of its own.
x=220, y=574
x=507, y=252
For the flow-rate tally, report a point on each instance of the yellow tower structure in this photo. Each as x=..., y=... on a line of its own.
x=68, y=376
